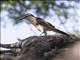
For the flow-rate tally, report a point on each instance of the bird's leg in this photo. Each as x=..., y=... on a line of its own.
x=45, y=32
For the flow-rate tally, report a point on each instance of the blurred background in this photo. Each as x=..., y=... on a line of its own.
x=64, y=15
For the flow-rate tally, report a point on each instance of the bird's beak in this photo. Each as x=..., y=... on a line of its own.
x=23, y=17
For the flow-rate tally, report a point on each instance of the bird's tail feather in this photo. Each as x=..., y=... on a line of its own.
x=59, y=31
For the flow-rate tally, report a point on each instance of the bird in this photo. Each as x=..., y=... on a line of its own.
x=41, y=24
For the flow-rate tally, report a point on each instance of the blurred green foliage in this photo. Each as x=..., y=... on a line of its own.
x=17, y=8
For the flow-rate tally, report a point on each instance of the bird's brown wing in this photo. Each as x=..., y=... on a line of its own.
x=40, y=21
x=44, y=23
x=50, y=25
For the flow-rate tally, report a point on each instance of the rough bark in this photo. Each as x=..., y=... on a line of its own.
x=43, y=47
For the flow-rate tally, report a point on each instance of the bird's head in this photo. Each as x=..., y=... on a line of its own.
x=27, y=16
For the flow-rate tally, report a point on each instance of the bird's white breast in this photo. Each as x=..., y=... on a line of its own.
x=40, y=28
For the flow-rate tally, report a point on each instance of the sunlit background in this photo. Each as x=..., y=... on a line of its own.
x=11, y=30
